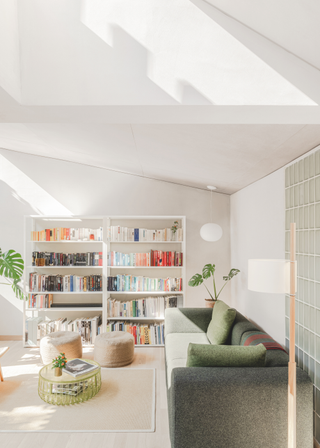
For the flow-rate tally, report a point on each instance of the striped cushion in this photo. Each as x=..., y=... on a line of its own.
x=259, y=337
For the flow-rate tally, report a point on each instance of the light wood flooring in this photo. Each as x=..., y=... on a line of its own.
x=144, y=357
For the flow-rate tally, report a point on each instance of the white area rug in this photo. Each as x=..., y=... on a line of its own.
x=125, y=403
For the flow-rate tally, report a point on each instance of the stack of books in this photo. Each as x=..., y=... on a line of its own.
x=119, y=233
x=133, y=283
x=64, y=283
x=61, y=259
x=40, y=300
x=146, y=307
x=68, y=234
x=152, y=334
x=152, y=258
x=38, y=327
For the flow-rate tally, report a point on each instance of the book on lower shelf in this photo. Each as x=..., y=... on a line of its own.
x=153, y=258
x=145, y=307
x=40, y=300
x=64, y=283
x=151, y=334
x=131, y=283
x=77, y=367
x=131, y=234
x=38, y=327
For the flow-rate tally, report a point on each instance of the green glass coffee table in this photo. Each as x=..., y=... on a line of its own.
x=65, y=389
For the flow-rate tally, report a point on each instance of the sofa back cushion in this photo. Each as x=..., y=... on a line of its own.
x=200, y=355
x=221, y=323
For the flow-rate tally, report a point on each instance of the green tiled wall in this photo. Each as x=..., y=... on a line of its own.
x=302, y=196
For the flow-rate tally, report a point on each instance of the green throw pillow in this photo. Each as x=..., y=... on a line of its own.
x=221, y=323
x=205, y=355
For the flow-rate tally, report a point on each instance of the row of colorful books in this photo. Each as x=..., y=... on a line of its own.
x=133, y=283
x=40, y=300
x=64, y=283
x=68, y=234
x=119, y=233
x=146, y=307
x=64, y=259
x=38, y=327
x=152, y=334
x=152, y=258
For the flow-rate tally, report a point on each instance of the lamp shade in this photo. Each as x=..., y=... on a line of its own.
x=271, y=276
x=211, y=232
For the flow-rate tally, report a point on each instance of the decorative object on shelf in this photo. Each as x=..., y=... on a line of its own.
x=59, y=362
x=211, y=231
x=279, y=277
x=11, y=267
x=207, y=272
x=174, y=229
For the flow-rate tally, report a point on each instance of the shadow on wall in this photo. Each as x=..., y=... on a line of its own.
x=12, y=324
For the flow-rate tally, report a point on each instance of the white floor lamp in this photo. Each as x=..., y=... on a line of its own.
x=279, y=277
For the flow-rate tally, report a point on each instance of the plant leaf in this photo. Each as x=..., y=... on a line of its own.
x=208, y=270
x=11, y=264
x=232, y=273
x=18, y=290
x=196, y=280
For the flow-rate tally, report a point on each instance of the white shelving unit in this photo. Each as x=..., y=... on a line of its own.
x=147, y=222
x=36, y=223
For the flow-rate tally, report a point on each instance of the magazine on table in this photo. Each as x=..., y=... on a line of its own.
x=78, y=367
x=69, y=389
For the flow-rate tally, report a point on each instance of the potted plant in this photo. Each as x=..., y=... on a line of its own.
x=11, y=267
x=174, y=228
x=207, y=272
x=59, y=362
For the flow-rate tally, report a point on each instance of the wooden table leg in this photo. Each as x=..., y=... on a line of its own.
x=1, y=376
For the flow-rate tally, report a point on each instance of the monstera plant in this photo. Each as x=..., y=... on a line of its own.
x=11, y=268
x=207, y=272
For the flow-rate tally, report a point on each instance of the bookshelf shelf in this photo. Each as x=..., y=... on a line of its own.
x=63, y=309
x=64, y=267
x=148, y=345
x=144, y=267
x=156, y=293
x=66, y=242
x=37, y=223
x=137, y=318
x=66, y=292
x=146, y=242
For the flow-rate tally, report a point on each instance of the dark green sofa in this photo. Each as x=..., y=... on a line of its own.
x=217, y=407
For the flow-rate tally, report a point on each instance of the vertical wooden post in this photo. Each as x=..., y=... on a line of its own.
x=292, y=415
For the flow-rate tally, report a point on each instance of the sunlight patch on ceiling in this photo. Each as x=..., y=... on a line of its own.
x=186, y=46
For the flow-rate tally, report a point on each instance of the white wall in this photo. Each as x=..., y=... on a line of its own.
x=10, y=49
x=40, y=185
x=257, y=215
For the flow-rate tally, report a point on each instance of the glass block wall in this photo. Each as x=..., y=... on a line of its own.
x=302, y=201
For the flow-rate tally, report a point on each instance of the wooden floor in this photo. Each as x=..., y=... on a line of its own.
x=144, y=357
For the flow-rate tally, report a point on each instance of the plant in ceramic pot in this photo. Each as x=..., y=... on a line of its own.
x=207, y=272
x=59, y=362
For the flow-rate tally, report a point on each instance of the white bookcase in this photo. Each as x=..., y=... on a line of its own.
x=38, y=223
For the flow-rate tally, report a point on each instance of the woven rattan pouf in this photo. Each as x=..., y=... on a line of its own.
x=114, y=349
x=53, y=344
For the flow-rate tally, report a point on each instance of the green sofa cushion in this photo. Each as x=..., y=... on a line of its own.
x=221, y=323
x=203, y=355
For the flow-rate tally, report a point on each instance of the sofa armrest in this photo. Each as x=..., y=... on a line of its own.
x=242, y=407
x=187, y=320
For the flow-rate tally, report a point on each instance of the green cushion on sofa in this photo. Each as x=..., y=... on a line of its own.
x=221, y=323
x=204, y=355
